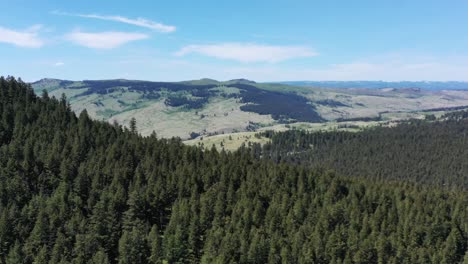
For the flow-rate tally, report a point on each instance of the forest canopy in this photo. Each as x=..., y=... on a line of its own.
x=416, y=150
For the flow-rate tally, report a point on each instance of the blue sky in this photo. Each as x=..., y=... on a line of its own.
x=259, y=40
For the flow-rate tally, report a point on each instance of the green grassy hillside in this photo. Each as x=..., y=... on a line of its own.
x=208, y=107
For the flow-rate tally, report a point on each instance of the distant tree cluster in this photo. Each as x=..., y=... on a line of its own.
x=151, y=90
x=281, y=106
x=176, y=101
x=100, y=91
x=74, y=190
x=331, y=103
x=455, y=116
x=452, y=108
x=362, y=119
x=144, y=86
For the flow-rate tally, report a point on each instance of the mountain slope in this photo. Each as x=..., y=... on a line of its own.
x=74, y=190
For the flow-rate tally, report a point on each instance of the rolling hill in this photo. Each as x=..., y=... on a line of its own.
x=208, y=107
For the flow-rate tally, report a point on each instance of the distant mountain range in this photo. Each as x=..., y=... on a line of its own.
x=428, y=85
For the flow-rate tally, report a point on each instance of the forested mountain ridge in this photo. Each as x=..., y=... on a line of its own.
x=74, y=190
x=424, y=151
x=206, y=107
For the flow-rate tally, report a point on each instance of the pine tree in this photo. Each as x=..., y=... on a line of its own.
x=455, y=247
x=41, y=257
x=99, y=258
x=133, y=125
x=133, y=246
x=154, y=244
x=15, y=256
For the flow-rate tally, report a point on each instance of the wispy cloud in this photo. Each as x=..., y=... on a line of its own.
x=104, y=40
x=58, y=64
x=27, y=38
x=248, y=52
x=140, y=22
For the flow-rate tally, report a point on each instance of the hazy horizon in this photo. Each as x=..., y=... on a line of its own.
x=240, y=78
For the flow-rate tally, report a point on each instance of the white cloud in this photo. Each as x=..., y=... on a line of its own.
x=28, y=38
x=248, y=52
x=104, y=40
x=141, y=22
x=58, y=64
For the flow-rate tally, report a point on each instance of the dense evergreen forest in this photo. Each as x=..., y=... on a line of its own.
x=281, y=106
x=74, y=190
x=418, y=150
